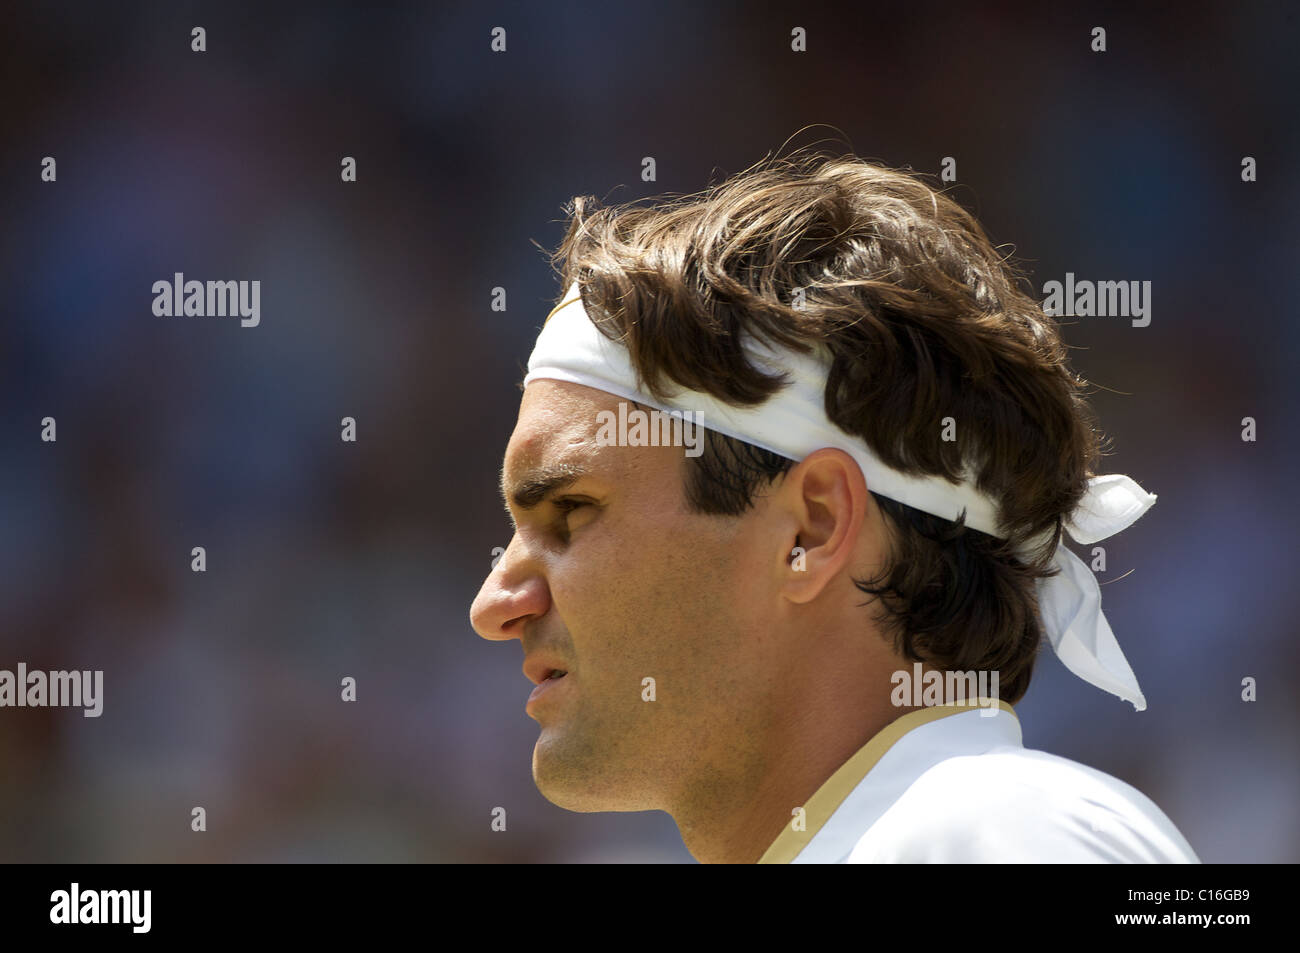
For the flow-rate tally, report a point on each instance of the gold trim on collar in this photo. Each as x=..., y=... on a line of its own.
x=828, y=797
x=562, y=304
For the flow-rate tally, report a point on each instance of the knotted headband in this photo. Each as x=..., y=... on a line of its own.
x=793, y=423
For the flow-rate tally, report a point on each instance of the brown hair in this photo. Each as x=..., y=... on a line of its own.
x=922, y=319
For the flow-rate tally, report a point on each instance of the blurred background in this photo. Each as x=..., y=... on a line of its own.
x=328, y=559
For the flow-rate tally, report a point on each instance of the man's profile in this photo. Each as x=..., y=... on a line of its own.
x=892, y=451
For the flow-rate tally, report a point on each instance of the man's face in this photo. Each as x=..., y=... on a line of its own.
x=610, y=578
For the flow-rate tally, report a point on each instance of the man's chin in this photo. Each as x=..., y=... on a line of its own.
x=556, y=774
x=572, y=777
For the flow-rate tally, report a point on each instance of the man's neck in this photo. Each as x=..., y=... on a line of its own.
x=735, y=820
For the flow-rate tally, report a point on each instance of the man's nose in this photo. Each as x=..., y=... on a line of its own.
x=513, y=593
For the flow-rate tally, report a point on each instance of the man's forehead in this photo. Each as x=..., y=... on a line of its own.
x=555, y=435
x=556, y=421
x=545, y=453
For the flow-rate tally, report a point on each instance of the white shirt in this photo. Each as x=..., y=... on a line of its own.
x=955, y=784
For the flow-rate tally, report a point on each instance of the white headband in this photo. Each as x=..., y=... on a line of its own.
x=793, y=423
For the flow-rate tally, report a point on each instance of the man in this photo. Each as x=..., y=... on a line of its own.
x=755, y=627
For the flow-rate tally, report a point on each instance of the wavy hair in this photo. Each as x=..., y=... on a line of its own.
x=922, y=318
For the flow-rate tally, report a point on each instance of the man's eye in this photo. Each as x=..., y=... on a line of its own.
x=563, y=507
x=568, y=505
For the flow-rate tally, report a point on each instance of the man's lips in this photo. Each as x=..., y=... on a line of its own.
x=548, y=673
x=547, y=688
x=547, y=685
x=539, y=669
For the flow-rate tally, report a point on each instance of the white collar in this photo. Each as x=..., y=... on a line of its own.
x=864, y=787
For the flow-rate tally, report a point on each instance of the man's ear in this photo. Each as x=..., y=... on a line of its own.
x=826, y=499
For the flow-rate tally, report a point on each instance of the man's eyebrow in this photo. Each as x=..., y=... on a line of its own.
x=536, y=484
